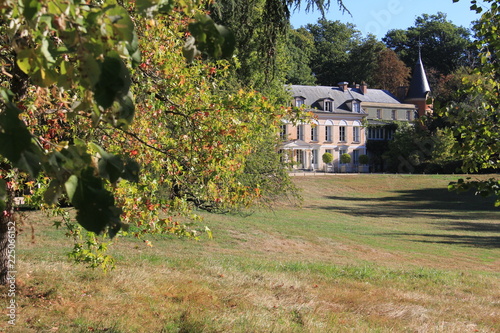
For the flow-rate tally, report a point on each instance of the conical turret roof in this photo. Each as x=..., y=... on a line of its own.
x=419, y=86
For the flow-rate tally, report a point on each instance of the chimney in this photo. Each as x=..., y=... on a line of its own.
x=343, y=85
x=364, y=88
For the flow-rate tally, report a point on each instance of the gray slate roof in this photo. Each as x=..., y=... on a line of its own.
x=314, y=94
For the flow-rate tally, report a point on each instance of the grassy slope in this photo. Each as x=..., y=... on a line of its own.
x=364, y=253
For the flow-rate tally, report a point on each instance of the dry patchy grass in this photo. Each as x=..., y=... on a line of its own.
x=369, y=253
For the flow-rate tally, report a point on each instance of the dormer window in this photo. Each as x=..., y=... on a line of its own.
x=299, y=101
x=356, y=107
x=328, y=105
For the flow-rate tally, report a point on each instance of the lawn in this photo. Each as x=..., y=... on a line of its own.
x=363, y=253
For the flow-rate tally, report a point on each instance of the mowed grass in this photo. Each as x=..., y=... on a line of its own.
x=364, y=253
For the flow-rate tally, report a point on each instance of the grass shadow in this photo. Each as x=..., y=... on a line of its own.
x=432, y=202
x=487, y=242
x=436, y=204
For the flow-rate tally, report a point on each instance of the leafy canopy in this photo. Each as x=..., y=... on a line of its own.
x=477, y=129
x=92, y=64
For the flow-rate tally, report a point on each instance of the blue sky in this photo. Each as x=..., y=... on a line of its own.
x=379, y=16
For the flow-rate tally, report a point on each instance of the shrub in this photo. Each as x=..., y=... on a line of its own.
x=345, y=158
x=327, y=158
x=364, y=159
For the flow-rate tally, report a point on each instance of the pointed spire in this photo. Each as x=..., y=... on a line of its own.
x=419, y=86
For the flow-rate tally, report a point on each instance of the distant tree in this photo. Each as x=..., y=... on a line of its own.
x=260, y=28
x=415, y=149
x=300, y=47
x=390, y=72
x=333, y=42
x=363, y=60
x=444, y=45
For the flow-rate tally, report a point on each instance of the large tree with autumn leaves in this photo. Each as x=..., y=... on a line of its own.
x=121, y=108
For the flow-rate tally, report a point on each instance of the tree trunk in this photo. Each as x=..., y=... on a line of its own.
x=7, y=228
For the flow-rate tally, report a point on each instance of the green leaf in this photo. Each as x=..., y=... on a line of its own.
x=71, y=185
x=134, y=51
x=53, y=192
x=114, y=81
x=15, y=142
x=24, y=60
x=112, y=167
x=131, y=171
x=189, y=49
x=91, y=71
x=211, y=38
x=95, y=206
x=3, y=194
x=30, y=160
x=121, y=23
x=45, y=49
x=126, y=111
x=150, y=8
x=31, y=8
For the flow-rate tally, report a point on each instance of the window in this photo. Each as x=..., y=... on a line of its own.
x=393, y=115
x=328, y=133
x=342, y=152
x=283, y=133
x=329, y=106
x=379, y=114
x=355, y=156
x=300, y=132
x=356, y=107
x=299, y=157
x=342, y=133
x=408, y=115
x=299, y=102
x=390, y=133
x=376, y=133
x=314, y=156
x=314, y=132
x=355, y=134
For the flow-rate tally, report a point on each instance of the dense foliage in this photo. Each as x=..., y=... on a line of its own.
x=116, y=108
x=477, y=129
x=444, y=45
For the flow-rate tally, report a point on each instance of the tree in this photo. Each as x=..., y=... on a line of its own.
x=345, y=158
x=415, y=149
x=477, y=131
x=364, y=159
x=444, y=46
x=327, y=158
x=333, y=41
x=363, y=60
x=300, y=48
x=261, y=28
x=72, y=81
x=390, y=72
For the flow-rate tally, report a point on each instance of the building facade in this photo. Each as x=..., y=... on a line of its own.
x=339, y=127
